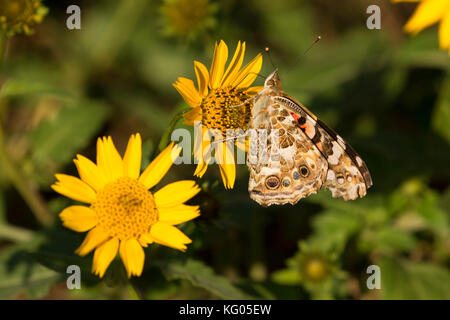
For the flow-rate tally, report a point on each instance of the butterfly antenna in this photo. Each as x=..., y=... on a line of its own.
x=267, y=50
x=306, y=51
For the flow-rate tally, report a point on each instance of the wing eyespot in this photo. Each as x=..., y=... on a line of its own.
x=286, y=182
x=272, y=182
x=304, y=171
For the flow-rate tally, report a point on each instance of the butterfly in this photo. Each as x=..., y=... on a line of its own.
x=293, y=154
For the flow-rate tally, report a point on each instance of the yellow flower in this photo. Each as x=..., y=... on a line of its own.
x=314, y=268
x=215, y=103
x=19, y=16
x=122, y=214
x=429, y=12
x=188, y=18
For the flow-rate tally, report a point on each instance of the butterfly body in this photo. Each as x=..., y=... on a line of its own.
x=293, y=154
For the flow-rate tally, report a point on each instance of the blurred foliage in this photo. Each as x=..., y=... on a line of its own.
x=388, y=94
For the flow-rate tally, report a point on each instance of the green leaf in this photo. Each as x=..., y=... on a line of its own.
x=403, y=279
x=286, y=277
x=421, y=50
x=203, y=276
x=441, y=112
x=59, y=262
x=436, y=218
x=20, y=274
x=55, y=141
x=333, y=229
x=389, y=239
x=14, y=87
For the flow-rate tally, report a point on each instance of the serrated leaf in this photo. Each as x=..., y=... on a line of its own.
x=201, y=275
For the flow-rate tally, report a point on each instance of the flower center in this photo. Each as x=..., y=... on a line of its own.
x=125, y=209
x=15, y=10
x=222, y=109
x=316, y=270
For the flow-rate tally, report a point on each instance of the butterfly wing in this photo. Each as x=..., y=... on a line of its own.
x=347, y=176
x=284, y=164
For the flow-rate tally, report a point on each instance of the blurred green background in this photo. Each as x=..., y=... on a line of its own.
x=386, y=93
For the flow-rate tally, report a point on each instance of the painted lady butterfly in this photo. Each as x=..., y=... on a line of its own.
x=300, y=154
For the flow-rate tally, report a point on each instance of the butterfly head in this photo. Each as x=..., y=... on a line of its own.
x=273, y=82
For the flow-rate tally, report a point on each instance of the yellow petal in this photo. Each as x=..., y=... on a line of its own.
x=178, y=214
x=444, y=31
x=243, y=143
x=218, y=64
x=176, y=193
x=427, y=13
x=74, y=188
x=235, y=65
x=133, y=257
x=248, y=74
x=187, y=90
x=90, y=173
x=193, y=115
x=158, y=168
x=93, y=239
x=202, y=78
x=78, y=218
x=133, y=156
x=103, y=256
x=201, y=142
x=204, y=159
x=254, y=90
x=109, y=160
x=170, y=236
x=226, y=165
x=200, y=170
x=145, y=239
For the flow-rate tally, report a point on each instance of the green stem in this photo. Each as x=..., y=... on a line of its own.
x=15, y=234
x=2, y=46
x=166, y=135
x=134, y=292
x=31, y=197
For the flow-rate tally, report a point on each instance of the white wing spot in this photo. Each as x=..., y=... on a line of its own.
x=342, y=142
x=337, y=152
x=331, y=175
x=359, y=161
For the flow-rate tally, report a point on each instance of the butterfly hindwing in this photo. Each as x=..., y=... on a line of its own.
x=287, y=167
